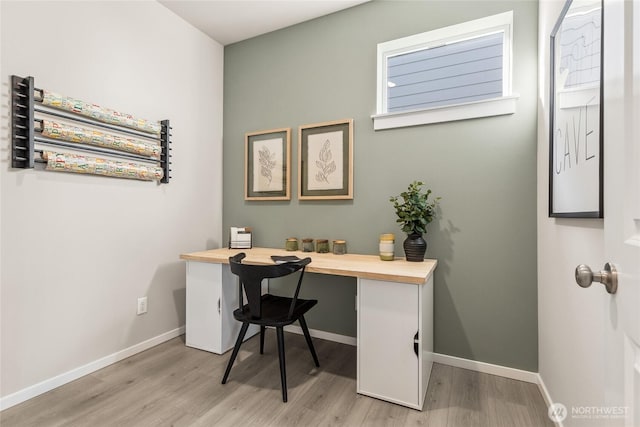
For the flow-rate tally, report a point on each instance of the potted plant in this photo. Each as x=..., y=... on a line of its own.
x=414, y=211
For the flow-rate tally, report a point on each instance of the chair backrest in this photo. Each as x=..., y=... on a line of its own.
x=251, y=277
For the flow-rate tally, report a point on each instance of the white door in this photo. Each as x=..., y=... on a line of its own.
x=622, y=209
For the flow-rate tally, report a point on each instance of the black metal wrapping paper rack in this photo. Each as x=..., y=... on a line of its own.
x=27, y=131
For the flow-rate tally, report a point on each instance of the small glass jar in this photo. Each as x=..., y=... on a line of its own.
x=339, y=247
x=387, y=243
x=322, y=246
x=291, y=244
x=307, y=245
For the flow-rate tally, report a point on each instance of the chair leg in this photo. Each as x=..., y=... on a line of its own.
x=283, y=370
x=262, y=328
x=236, y=348
x=305, y=330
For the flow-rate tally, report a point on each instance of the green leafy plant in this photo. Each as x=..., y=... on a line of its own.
x=413, y=208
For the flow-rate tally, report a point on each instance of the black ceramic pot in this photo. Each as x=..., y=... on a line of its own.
x=415, y=247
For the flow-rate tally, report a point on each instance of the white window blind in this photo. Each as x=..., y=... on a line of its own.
x=464, y=71
x=444, y=74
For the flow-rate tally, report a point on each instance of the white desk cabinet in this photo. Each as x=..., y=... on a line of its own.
x=395, y=340
x=212, y=295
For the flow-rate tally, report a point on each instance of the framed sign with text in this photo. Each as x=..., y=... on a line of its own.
x=575, y=141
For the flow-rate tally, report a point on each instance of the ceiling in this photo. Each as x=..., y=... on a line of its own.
x=230, y=21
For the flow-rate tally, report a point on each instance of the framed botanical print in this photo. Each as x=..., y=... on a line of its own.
x=268, y=165
x=325, y=161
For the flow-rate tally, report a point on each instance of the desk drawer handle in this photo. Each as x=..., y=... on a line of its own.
x=219, y=308
x=415, y=343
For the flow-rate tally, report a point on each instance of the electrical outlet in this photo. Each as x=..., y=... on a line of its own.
x=142, y=305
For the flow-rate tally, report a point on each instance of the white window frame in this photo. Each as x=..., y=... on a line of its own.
x=506, y=104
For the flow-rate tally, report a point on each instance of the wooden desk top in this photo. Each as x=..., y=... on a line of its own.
x=352, y=265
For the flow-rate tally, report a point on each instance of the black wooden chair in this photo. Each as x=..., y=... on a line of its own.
x=269, y=310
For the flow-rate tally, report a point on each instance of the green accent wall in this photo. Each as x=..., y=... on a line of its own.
x=485, y=305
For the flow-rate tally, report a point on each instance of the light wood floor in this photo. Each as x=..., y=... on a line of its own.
x=174, y=385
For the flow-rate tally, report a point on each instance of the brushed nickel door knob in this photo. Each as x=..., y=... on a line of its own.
x=608, y=277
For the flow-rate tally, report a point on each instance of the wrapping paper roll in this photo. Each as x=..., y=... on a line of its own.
x=97, y=112
x=64, y=162
x=82, y=135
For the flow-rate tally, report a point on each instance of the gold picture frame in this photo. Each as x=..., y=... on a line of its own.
x=267, y=165
x=325, y=160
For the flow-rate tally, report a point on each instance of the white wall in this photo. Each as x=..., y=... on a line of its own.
x=570, y=319
x=77, y=251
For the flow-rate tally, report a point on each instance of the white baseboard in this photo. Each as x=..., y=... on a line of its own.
x=502, y=371
x=51, y=383
x=547, y=397
x=329, y=336
x=458, y=362
x=487, y=368
x=545, y=393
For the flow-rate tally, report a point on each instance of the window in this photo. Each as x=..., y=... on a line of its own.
x=452, y=73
